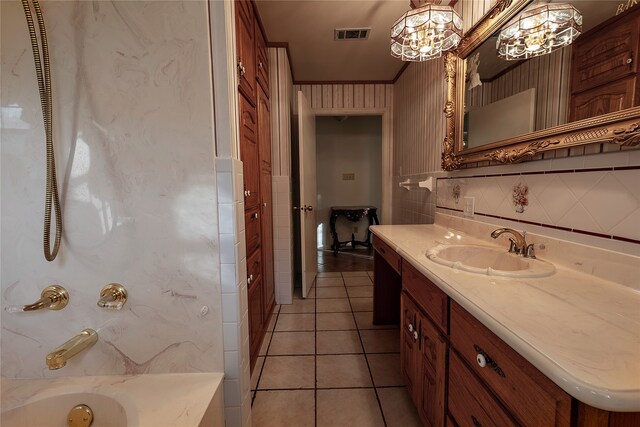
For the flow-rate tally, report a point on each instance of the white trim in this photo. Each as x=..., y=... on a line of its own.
x=387, y=149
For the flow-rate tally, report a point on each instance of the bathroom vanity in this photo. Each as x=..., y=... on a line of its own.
x=482, y=350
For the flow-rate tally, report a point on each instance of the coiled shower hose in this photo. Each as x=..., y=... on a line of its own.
x=44, y=86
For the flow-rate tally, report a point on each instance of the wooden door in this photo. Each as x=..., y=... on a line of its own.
x=264, y=129
x=249, y=153
x=432, y=354
x=308, y=192
x=245, y=49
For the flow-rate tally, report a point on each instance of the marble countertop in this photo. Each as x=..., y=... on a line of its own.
x=148, y=400
x=581, y=331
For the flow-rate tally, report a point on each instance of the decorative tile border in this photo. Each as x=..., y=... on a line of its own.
x=599, y=202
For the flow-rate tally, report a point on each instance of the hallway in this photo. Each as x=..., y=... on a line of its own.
x=323, y=363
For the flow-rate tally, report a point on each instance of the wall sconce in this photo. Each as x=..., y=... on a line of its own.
x=539, y=30
x=425, y=33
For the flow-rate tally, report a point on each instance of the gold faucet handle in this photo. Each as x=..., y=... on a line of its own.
x=53, y=297
x=112, y=296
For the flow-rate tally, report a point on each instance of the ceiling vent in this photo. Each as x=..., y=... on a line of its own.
x=352, y=33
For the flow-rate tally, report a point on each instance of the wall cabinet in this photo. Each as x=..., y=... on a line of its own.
x=255, y=153
x=604, y=68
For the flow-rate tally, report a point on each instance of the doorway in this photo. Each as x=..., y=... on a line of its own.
x=349, y=174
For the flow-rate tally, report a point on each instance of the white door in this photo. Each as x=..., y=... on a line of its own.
x=308, y=192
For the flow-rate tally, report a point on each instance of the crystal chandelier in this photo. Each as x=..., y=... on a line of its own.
x=425, y=33
x=539, y=30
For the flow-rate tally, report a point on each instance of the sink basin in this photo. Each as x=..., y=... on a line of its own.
x=489, y=261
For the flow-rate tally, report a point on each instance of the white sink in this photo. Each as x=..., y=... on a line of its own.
x=489, y=260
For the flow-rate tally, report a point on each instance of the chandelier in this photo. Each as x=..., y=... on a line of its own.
x=425, y=33
x=539, y=30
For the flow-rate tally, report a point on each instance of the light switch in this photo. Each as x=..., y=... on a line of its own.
x=469, y=208
x=348, y=176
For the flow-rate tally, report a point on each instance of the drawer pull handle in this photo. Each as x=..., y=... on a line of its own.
x=475, y=421
x=484, y=359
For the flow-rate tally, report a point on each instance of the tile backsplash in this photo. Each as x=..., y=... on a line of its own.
x=599, y=202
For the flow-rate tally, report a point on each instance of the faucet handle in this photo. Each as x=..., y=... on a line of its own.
x=53, y=297
x=112, y=296
x=529, y=251
x=513, y=246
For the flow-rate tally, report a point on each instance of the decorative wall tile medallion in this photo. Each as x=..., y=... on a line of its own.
x=520, y=197
x=456, y=193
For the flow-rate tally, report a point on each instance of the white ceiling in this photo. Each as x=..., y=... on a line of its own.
x=308, y=26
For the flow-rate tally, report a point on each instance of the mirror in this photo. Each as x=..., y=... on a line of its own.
x=511, y=110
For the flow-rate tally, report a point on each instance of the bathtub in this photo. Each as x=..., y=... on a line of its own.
x=154, y=400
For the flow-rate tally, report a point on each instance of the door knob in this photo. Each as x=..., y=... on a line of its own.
x=307, y=208
x=295, y=208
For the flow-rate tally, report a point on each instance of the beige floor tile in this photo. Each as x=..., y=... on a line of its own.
x=370, y=273
x=323, y=282
x=284, y=343
x=296, y=322
x=354, y=274
x=332, y=292
x=358, y=281
x=385, y=369
x=280, y=372
x=334, y=322
x=312, y=293
x=360, y=291
x=283, y=408
x=381, y=341
x=364, y=320
x=265, y=344
x=348, y=407
x=255, y=375
x=346, y=370
x=361, y=304
x=330, y=274
x=398, y=408
x=333, y=305
x=338, y=342
x=299, y=306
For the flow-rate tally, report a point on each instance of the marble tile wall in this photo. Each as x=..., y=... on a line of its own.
x=134, y=146
x=413, y=206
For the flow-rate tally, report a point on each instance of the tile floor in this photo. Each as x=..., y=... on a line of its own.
x=323, y=363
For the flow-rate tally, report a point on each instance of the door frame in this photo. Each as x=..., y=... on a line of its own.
x=387, y=150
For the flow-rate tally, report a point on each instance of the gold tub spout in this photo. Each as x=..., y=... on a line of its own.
x=58, y=357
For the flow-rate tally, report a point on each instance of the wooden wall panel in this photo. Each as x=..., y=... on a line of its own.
x=322, y=96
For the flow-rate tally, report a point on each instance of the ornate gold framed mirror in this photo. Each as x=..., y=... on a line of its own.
x=494, y=112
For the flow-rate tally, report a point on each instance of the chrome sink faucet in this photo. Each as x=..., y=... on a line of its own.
x=518, y=242
x=58, y=358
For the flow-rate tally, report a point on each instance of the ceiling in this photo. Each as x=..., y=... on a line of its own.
x=308, y=27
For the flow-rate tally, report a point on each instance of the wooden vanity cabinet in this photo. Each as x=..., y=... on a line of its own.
x=245, y=49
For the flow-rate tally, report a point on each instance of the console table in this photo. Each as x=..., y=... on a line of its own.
x=354, y=214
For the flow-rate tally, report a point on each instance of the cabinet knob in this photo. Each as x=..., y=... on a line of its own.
x=295, y=208
x=415, y=335
x=250, y=279
x=254, y=215
x=241, y=68
x=410, y=327
x=260, y=65
x=482, y=361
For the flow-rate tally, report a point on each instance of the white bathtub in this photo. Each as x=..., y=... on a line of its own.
x=154, y=400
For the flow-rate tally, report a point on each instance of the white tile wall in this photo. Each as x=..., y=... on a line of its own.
x=606, y=202
x=233, y=271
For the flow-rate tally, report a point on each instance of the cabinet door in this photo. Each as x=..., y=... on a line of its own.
x=264, y=129
x=607, y=54
x=262, y=60
x=256, y=318
x=408, y=344
x=249, y=153
x=608, y=98
x=245, y=49
x=432, y=355
x=267, y=243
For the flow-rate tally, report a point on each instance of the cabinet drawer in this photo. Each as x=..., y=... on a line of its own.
x=387, y=253
x=532, y=398
x=470, y=403
x=432, y=300
x=252, y=230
